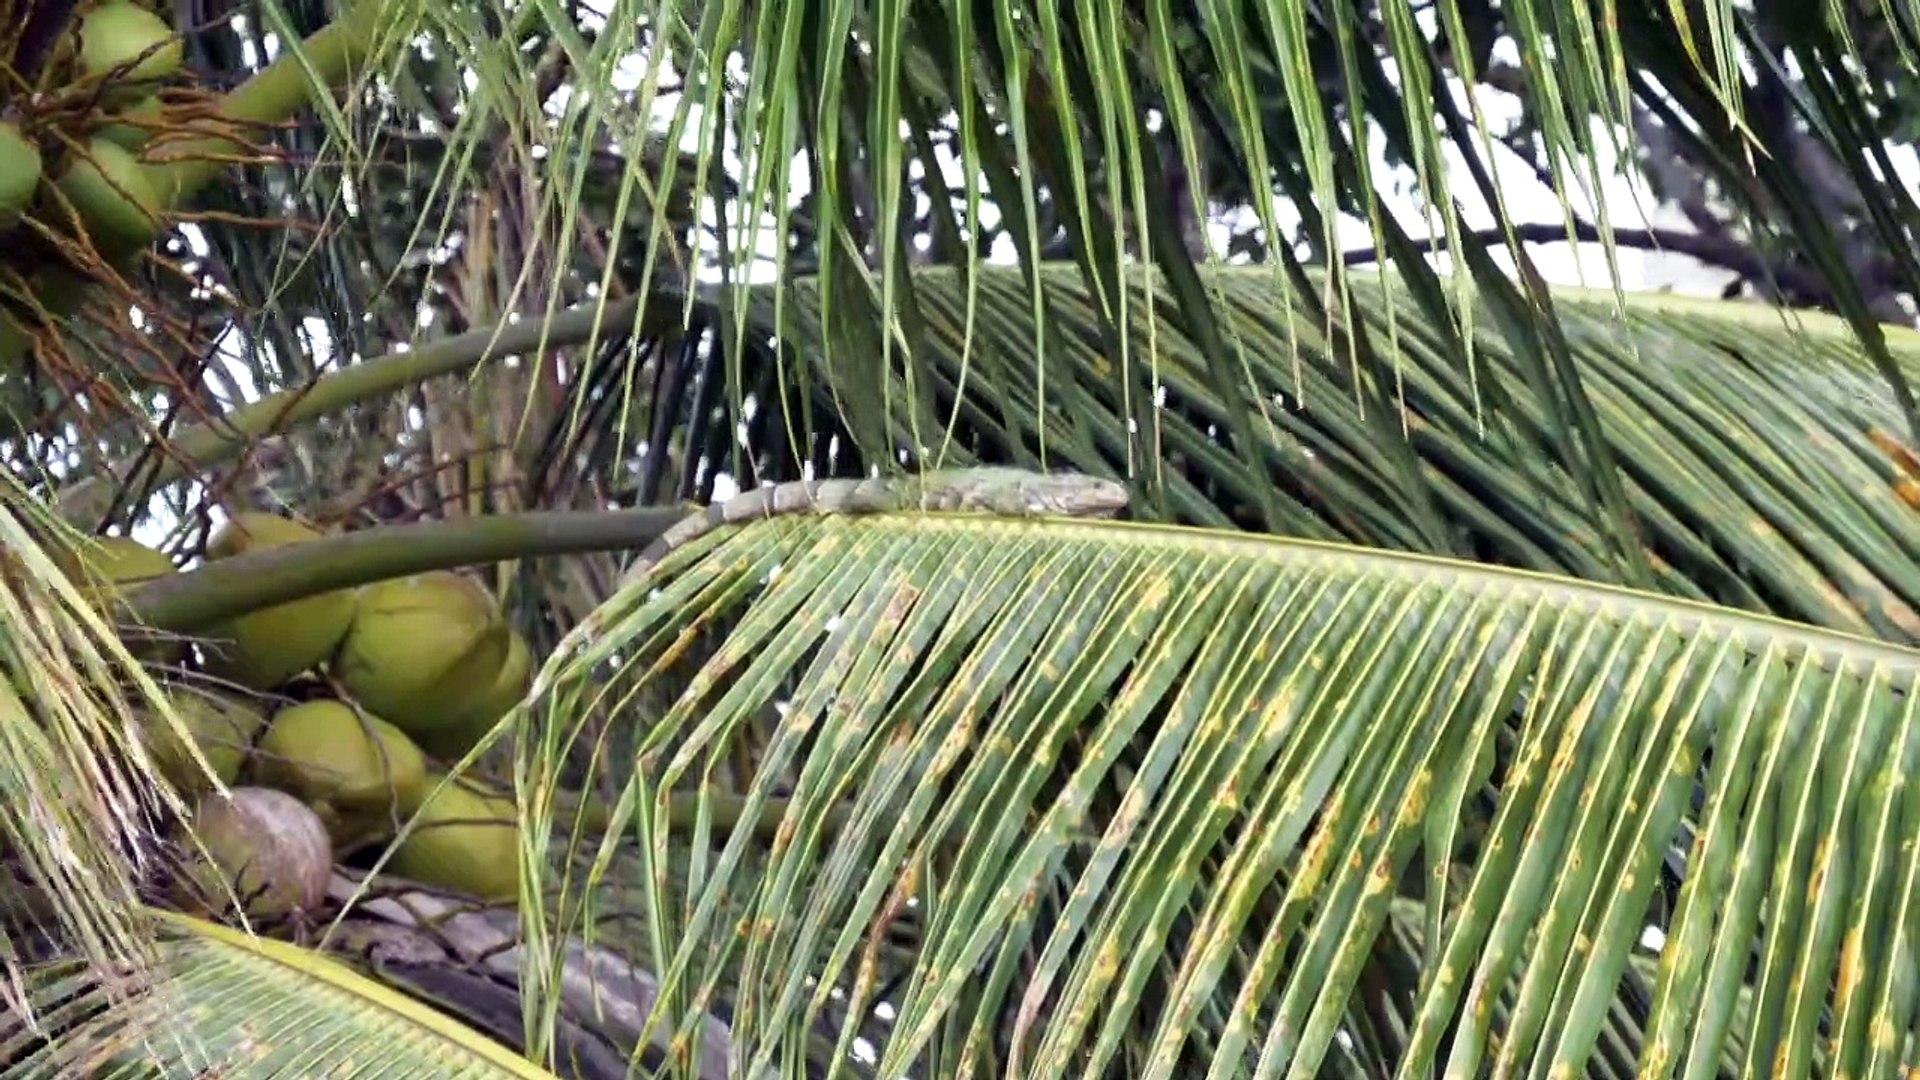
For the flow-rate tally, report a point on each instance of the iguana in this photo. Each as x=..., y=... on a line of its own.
x=991, y=490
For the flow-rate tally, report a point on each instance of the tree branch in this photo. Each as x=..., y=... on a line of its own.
x=1721, y=251
x=224, y=439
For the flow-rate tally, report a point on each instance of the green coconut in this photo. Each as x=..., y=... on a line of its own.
x=508, y=687
x=355, y=771
x=102, y=566
x=105, y=562
x=20, y=169
x=422, y=650
x=265, y=648
x=133, y=127
x=117, y=201
x=266, y=847
x=129, y=44
x=463, y=840
x=222, y=727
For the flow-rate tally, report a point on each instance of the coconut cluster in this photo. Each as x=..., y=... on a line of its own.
x=74, y=159
x=425, y=667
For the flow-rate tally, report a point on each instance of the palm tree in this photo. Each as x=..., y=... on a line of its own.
x=1492, y=675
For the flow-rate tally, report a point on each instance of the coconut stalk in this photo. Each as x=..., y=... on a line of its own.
x=226, y=588
x=203, y=445
x=273, y=95
x=616, y=997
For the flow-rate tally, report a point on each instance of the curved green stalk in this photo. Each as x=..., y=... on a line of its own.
x=211, y=444
x=273, y=95
x=193, y=601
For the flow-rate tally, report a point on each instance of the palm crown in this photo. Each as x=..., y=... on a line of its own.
x=1490, y=675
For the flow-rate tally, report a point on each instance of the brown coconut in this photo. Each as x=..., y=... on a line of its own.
x=266, y=846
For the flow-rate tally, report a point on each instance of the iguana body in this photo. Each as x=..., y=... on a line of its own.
x=1010, y=492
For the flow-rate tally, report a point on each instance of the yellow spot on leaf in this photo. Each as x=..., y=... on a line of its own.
x=1847, y=979
x=1822, y=862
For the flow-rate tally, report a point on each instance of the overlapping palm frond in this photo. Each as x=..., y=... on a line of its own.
x=1758, y=449
x=541, y=182
x=1085, y=799
x=222, y=1003
x=422, y=204
x=519, y=176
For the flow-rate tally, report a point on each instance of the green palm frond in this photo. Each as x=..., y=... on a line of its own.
x=224, y=1003
x=1074, y=799
x=1084, y=799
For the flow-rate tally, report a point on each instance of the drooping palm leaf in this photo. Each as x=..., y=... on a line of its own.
x=78, y=795
x=1048, y=101
x=1072, y=132
x=540, y=148
x=1072, y=798
x=1746, y=437
x=545, y=145
x=513, y=169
